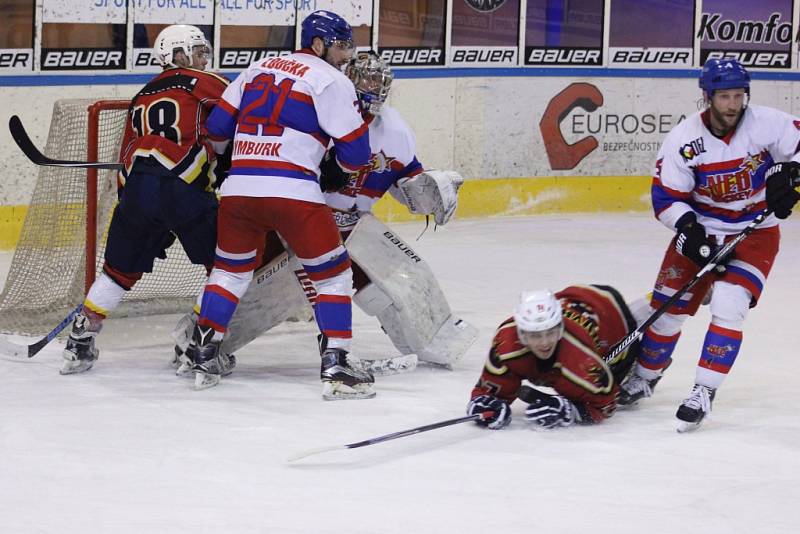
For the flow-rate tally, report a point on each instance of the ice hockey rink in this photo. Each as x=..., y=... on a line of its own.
x=130, y=448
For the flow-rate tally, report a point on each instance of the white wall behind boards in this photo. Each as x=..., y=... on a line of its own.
x=484, y=127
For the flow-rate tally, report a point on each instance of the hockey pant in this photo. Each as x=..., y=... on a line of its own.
x=733, y=293
x=309, y=229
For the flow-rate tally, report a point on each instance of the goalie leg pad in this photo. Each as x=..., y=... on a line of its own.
x=273, y=296
x=405, y=296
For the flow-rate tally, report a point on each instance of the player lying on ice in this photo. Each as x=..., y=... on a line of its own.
x=166, y=189
x=715, y=173
x=558, y=341
x=391, y=281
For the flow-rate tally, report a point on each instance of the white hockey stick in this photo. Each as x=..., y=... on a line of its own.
x=9, y=348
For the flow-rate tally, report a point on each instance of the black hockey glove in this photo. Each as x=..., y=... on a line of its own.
x=223, y=166
x=551, y=411
x=783, y=184
x=331, y=176
x=485, y=403
x=692, y=240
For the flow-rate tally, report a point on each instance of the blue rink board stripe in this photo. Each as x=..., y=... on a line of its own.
x=30, y=80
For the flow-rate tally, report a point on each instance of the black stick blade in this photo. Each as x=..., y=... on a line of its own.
x=32, y=153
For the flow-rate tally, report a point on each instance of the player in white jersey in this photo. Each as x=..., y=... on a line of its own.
x=281, y=114
x=391, y=281
x=710, y=181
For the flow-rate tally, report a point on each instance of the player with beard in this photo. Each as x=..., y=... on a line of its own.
x=716, y=172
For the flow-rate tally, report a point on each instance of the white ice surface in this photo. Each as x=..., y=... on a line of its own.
x=130, y=448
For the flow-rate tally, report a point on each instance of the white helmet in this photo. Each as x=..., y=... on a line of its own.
x=537, y=311
x=181, y=37
x=372, y=78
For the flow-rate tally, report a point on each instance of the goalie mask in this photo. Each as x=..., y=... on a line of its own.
x=188, y=39
x=539, y=322
x=372, y=79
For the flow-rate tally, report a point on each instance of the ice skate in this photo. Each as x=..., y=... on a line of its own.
x=694, y=409
x=80, y=353
x=181, y=362
x=183, y=336
x=637, y=388
x=342, y=378
x=204, y=352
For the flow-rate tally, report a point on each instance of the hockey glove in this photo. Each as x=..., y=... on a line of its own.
x=692, y=240
x=485, y=403
x=551, y=411
x=783, y=188
x=331, y=176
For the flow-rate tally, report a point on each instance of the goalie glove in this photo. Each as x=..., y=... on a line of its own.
x=486, y=403
x=431, y=192
x=551, y=411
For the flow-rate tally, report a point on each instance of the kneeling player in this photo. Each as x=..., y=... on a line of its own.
x=558, y=341
x=392, y=282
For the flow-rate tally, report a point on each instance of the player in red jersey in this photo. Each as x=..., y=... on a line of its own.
x=166, y=189
x=558, y=341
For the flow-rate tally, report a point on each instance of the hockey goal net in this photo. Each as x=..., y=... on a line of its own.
x=60, y=250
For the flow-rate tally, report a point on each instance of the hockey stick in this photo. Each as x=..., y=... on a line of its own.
x=20, y=351
x=29, y=149
x=394, y=435
x=721, y=254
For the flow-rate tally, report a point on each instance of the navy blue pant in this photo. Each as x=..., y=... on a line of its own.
x=156, y=206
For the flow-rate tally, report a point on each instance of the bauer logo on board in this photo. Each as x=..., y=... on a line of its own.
x=412, y=56
x=83, y=59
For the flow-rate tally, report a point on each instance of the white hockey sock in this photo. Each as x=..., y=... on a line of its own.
x=104, y=295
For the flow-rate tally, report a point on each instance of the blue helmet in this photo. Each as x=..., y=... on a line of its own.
x=326, y=25
x=725, y=73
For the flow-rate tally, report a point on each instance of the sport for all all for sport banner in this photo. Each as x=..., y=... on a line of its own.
x=88, y=11
x=651, y=34
x=758, y=34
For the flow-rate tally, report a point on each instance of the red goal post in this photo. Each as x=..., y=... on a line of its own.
x=61, y=245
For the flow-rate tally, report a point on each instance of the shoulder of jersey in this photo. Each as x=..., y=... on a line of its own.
x=393, y=122
x=212, y=75
x=765, y=112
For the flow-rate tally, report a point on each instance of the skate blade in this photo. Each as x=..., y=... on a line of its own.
x=184, y=370
x=75, y=367
x=339, y=391
x=686, y=426
x=205, y=381
x=391, y=366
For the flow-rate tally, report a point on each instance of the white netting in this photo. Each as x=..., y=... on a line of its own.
x=46, y=278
